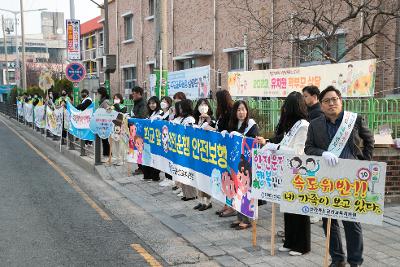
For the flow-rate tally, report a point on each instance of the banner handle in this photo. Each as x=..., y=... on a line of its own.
x=328, y=237
x=273, y=218
x=254, y=232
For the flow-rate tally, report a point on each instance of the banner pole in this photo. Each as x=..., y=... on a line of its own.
x=273, y=216
x=328, y=238
x=62, y=128
x=254, y=226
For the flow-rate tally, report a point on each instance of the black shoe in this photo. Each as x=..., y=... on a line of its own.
x=187, y=199
x=198, y=206
x=234, y=224
x=354, y=265
x=338, y=264
x=206, y=207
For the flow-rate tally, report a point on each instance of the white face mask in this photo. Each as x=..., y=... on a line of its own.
x=117, y=101
x=203, y=109
x=164, y=105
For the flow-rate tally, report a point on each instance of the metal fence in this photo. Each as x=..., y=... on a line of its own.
x=376, y=111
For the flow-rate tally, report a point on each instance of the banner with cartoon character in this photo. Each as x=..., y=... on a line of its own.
x=268, y=175
x=119, y=138
x=40, y=120
x=101, y=122
x=353, y=190
x=215, y=164
x=28, y=112
x=54, y=120
x=79, y=122
x=353, y=79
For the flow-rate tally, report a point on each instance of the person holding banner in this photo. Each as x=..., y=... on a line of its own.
x=290, y=137
x=224, y=107
x=86, y=102
x=340, y=134
x=168, y=115
x=119, y=104
x=203, y=116
x=241, y=124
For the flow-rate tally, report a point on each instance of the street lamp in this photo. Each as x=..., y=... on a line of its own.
x=15, y=13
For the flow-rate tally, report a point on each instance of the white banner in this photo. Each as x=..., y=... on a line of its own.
x=28, y=112
x=353, y=190
x=40, y=120
x=194, y=82
x=54, y=120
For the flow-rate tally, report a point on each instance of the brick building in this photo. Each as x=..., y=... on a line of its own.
x=208, y=33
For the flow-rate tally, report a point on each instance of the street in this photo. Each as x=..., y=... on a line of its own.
x=44, y=221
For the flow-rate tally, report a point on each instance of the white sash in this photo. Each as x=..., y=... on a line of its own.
x=292, y=133
x=343, y=133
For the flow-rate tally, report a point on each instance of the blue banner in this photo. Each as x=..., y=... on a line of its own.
x=215, y=164
x=79, y=122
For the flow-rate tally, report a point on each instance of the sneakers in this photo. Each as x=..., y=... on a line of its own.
x=177, y=191
x=314, y=219
x=295, y=253
x=205, y=207
x=166, y=182
x=180, y=194
x=283, y=249
x=338, y=264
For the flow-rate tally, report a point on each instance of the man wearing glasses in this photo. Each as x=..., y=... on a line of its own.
x=340, y=134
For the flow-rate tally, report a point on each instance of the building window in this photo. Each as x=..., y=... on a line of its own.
x=151, y=7
x=101, y=37
x=128, y=25
x=263, y=66
x=129, y=77
x=187, y=64
x=236, y=60
x=87, y=43
x=310, y=50
x=151, y=68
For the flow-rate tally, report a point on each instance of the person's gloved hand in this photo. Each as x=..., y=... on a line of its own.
x=231, y=134
x=272, y=147
x=330, y=158
x=224, y=132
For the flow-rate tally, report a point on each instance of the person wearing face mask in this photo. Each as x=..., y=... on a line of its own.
x=203, y=115
x=119, y=104
x=86, y=100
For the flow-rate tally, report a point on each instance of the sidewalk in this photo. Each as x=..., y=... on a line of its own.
x=212, y=235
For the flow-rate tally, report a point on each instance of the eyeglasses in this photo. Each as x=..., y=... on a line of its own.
x=332, y=100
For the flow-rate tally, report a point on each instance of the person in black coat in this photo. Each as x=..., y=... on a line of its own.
x=359, y=146
x=310, y=94
x=86, y=100
x=139, y=103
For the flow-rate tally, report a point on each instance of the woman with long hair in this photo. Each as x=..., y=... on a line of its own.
x=168, y=115
x=290, y=136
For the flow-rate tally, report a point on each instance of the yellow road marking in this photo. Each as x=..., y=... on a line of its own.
x=150, y=259
x=85, y=196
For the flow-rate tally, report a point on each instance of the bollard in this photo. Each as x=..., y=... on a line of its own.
x=97, y=151
x=83, y=153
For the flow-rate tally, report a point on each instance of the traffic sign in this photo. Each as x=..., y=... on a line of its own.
x=75, y=72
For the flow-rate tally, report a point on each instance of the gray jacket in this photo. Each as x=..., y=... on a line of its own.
x=361, y=139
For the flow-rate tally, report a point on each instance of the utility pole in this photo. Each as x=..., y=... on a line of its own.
x=5, y=46
x=17, y=66
x=23, y=46
x=72, y=9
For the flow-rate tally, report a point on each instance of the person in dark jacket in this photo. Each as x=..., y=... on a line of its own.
x=310, y=94
x=320, y=134
x=86, y=100
x=104, y=103
x=139, y=103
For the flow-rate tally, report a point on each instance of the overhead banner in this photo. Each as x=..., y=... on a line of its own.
x=215, y=164
x=79, y=122
x=102, y=122
x=54, y=120
x=40, y=120
x=73, y=39
x=194, y=82
x=267, y=175
x=28, y=112
x=353, y=190
x=353, y=79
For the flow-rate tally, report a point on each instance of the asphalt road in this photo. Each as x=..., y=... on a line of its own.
x=46, y=222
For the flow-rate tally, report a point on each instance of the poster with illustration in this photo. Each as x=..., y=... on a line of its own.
x=28, y=112
x=101, y=122
x=79, y=122
x=40, y=120
x=353, y=190
x=268, y=174
x=54, y=120
x=194, y=82
x=219, y=165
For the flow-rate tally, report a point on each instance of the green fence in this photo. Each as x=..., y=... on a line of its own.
x=376, y=111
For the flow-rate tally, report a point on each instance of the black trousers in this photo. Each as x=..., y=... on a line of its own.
x=297, y=232
x=106, y=147
x=150, y=173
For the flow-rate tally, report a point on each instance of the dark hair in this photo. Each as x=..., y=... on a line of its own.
x=180, y=95
x=119, y=96
x=233, y=122
x=85, y=91
x=312, y=90
x=158, y=106
x=293, y=109
x=137, y=89
x=310, y=160
x=196, y=113
x=330, y=88
x=187, y=108
x=168, y=99
x=295, y=159
x=103, y=92
x=224, y=103
x=177, y=109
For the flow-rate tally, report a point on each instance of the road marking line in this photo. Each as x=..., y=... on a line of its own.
x=85, y=196
x=150, y=259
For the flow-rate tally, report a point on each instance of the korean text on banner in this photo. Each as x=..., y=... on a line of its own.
x=79, y=122
x=54, y=120
x=101, y=122
x=73, y=39
x=215, y=164
x=353, y=190
x=353, y=79
x=194, y=82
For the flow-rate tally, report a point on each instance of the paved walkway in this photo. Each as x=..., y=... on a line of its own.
x=213, y=236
